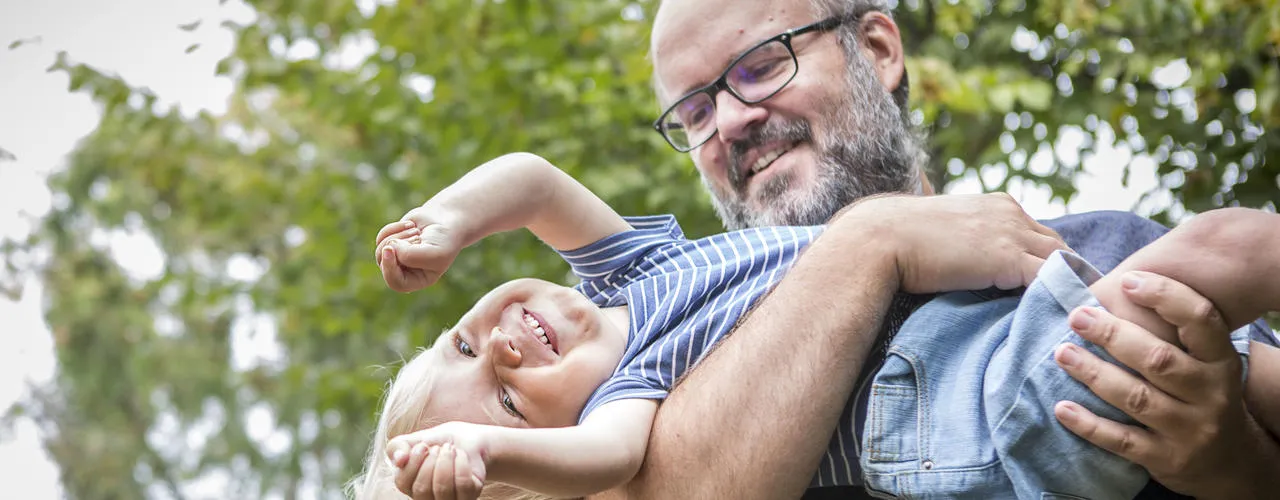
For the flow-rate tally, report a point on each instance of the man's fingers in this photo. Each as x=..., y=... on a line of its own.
x=443, y=486
x=1047, y=241
x=1028, y=267
x=1200, y=325
x=1131, y=443
x=1122, y=390
x=1163, y=364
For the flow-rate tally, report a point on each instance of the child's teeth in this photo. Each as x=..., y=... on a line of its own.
x=540, y=331
x=529, y=320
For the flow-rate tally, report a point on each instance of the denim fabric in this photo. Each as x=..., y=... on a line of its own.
x=963, y=405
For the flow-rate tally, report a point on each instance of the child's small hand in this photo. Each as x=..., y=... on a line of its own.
x=445, y=462
x=413, y=253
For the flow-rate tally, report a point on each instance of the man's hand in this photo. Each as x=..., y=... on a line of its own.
x=1197, y=440
x=445, y=462
x=958, y=242
x=414, y=252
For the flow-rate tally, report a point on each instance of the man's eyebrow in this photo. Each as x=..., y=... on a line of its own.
x=724, y=69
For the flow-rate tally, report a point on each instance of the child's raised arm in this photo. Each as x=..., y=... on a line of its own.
x=510, y=192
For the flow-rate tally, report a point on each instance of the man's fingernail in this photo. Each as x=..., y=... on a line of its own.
x=1130, y=282
x=1069, y=356
x=1083, y=319
x=1069, y=410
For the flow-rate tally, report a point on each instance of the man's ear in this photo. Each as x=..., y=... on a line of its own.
x=881, y=44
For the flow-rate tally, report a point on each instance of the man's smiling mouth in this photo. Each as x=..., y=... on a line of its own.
x=767, y=157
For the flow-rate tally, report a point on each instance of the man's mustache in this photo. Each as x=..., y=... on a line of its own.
x=771, y=131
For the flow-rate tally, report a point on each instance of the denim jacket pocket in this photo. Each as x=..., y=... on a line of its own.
x=894, y=413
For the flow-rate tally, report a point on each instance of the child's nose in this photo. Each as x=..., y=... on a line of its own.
x=503, y=350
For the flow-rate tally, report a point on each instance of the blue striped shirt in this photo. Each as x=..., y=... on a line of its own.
x=683, y=295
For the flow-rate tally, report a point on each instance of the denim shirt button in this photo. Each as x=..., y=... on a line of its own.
x=928, y=465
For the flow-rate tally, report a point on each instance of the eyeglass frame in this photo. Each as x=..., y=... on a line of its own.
x=722, y=83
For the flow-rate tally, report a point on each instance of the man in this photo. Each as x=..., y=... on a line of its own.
x=835, y=132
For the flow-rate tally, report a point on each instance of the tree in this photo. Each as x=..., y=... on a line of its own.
x=265, y=215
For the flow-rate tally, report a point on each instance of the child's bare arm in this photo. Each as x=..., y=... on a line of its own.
x=522, y=190
x=565, y=462
x=510, y=192
x=569, y=462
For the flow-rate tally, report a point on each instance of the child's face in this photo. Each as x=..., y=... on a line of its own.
x=495, y=366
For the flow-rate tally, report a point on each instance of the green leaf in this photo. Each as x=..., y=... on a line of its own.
x=24, y=41
x=1035, y=95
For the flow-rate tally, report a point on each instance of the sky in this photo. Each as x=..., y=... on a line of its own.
x=40, y=123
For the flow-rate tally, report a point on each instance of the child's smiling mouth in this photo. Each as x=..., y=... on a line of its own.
x=541, y=330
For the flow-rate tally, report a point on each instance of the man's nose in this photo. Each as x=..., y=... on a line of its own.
x=503, y=350
x=734, y=118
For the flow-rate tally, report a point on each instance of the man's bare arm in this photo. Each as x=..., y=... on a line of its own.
x=753, y=419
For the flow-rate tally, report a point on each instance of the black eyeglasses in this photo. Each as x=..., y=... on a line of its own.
x=756, y=75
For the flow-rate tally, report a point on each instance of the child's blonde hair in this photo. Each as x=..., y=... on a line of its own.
x=403, y=405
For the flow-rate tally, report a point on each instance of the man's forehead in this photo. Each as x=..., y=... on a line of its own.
x=692, y=37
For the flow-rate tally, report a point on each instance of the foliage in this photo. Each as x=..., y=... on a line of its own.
x=265, y=215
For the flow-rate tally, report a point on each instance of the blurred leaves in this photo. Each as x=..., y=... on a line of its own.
x=248, y=339
x=24, y=41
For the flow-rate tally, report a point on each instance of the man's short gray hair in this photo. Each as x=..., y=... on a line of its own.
x=849, y=41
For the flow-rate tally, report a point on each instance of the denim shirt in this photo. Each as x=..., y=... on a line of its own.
x=1104, y=239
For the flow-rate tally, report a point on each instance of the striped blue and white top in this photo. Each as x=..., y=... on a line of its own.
x=683, y=295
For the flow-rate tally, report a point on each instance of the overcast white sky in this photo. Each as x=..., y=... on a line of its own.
x=40, y=123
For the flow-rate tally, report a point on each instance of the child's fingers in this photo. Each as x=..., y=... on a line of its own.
x=393, y=228
x=392, y=273
x=467, y=481
x=407, y=478
x=398, y=452
x=385, y=241
x=443, y=486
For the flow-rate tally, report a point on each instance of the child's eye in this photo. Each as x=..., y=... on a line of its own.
x=509, y=405
x=463, y=346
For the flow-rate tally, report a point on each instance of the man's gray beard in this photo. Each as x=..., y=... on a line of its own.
x=868, y=149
